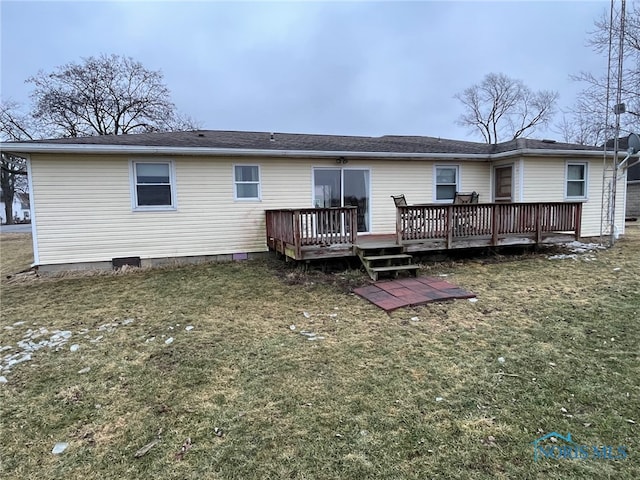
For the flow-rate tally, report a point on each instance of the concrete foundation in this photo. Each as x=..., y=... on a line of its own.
x=151, y=262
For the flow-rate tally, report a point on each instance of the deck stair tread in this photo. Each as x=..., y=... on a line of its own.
x=386, y=259
x=393, y=268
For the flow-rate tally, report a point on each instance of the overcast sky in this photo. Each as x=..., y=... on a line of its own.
x=352, y=68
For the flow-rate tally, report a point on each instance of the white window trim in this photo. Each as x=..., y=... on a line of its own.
x=236, y=183
x=586, y=181
x=32, y=208
x=134, y=191
x=435, y=181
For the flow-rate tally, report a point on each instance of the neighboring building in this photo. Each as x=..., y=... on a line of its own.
x=21, y=211
x=204, y=194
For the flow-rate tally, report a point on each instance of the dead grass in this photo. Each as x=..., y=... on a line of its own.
x=16, y=253
x=381, y=396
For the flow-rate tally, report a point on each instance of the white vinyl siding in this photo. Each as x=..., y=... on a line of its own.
x=84, y=210
x=545, y=181
x=246, y=179
x=415, y=179
x=82, y=204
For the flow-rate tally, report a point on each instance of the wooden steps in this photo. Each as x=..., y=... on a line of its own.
x=387, y=260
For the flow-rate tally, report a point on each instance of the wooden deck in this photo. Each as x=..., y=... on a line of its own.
x=311, y=233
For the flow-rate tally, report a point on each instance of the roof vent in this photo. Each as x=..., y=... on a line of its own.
x=272, y=137
x=547, y=140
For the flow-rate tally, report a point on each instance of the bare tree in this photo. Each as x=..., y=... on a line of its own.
x=592, y=105
x=13, y=171
x=501, y=107
x=105, y=95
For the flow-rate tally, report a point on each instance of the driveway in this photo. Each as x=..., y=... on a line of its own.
x=20, y=228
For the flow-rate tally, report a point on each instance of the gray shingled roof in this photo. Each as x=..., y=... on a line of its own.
x=305, y=142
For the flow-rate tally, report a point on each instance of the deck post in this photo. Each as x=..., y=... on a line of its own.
x=297, y=241
x=578, y=220
x=398, y=226
x=449, y=226
x=538, y=223
x=353, y=226
x=494, y=224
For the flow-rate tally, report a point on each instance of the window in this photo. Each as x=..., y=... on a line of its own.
x=577, y=180
x=446, y=183
x=153, y=185
x=247, y=182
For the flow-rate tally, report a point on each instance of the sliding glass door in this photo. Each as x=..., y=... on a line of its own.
x=342, y=187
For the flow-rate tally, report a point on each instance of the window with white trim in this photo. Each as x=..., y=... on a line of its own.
x=153, y=185
x=446, y=183
x=576, y=180
x=246, y=179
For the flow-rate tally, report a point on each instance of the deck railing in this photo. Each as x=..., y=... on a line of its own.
x=451, y=222
x=293, y=229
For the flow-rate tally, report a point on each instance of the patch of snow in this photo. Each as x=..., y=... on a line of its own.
x=188, y=328
x=473, y=300
x=311, y=335
x=35, y=339
x=150, y=339
x=501, y=360
x=564, y=256
x=415, y=319
x=439, y=399
x=617, y=269
x=169, y=341
x=3, y=379
x=306, y=314
x=579, y=247
x=108, y=327
x=59, y=447
x=84, y=370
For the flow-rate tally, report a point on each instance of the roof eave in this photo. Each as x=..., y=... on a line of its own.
x=55, y=148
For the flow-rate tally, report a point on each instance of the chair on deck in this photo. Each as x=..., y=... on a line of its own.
x=461, y=198
x=464, y=220
x=414, y=220
x=399, y=200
